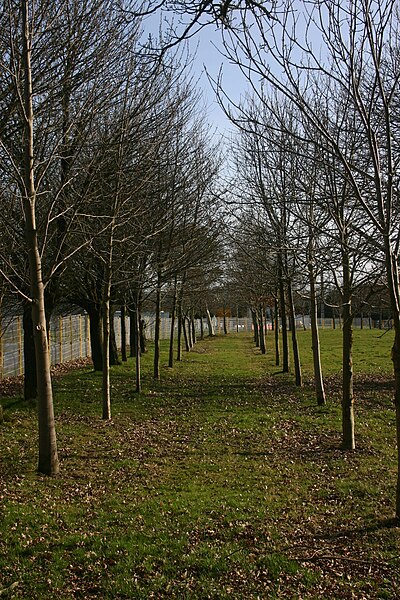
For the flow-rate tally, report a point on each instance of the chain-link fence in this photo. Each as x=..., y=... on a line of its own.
x=70, y=336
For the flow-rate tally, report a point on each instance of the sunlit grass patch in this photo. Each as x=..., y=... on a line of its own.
x=222, y=480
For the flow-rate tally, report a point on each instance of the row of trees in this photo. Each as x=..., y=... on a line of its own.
x=316, y=158
x=107, y=179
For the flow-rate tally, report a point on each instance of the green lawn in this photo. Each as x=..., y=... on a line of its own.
x=221, y=481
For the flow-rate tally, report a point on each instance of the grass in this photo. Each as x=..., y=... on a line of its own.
x=220, y=481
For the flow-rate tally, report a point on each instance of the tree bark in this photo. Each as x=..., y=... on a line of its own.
x=180, y=327
x=282, y=305
x=106, y=341
x=295, y=345
x=394, y=293
x=142, y=335
x=315, y=345
x=347, y=394
x=210, y=326
x=186, y=334
x=30, y=379
x=172, y=332
x=156, y=367
x=225, y=325
x=124, y=355
x=137, y=349
x=276, y=317
x=261, y=330
x=48, y=463
x=96, y=343
x=133, y=331
x=113, y=351
x=255, y=328
x=193, y=326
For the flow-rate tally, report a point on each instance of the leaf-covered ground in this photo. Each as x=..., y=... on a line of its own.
x=221, y=481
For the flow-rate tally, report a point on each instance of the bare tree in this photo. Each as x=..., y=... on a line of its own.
x=353, y=46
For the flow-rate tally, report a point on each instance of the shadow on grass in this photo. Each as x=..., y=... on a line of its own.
x=355, y=532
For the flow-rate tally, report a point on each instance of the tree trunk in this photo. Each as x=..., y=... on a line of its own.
x=48, y=457
x=261, y=330
x=282, y=304
x=255, y=328
x=210, y=325
x=193, y=326
x=135, y=317
x=180, y=327
x=295, y=345
x=113, y=356
x=106, y=342
x=185, y=334
x=123, y=333
x=172, y=332
x=201, y=327
x=30, y=379
x=276, y=317
x=96, y=338
x=394, y=293
x=225, y=324
x=142, y=335
x=315, y=345
x=156, y=368
x=347, y=393
x=133, y=331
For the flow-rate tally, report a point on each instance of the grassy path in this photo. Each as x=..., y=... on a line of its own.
x=220, y=481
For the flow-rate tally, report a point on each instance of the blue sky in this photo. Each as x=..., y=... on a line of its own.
x=203, y=45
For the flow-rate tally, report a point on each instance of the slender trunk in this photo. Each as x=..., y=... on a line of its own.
x=189, y=331
x=113, y=356
x=276, y=327
x=172, y=332
x=48, y=457
x=210, y=325
x=255, y=328
x=185, y=334
x=201, y=327
x=142, y=334
x=132, y=331
x=225, y=324
x=347, y=393
x=106, y=395
x=295, y=345
x=156, y=368
x=394, y=293
x=123, y=333
x=315, y=345
x=137, y=351
x=30, y=379
x=96, y=337
x=261, y=330
x=180, y=327
x=193, y=325
x=396, y=366
x=282, y=304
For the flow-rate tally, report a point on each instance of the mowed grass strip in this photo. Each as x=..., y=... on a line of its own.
x=223, y=480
